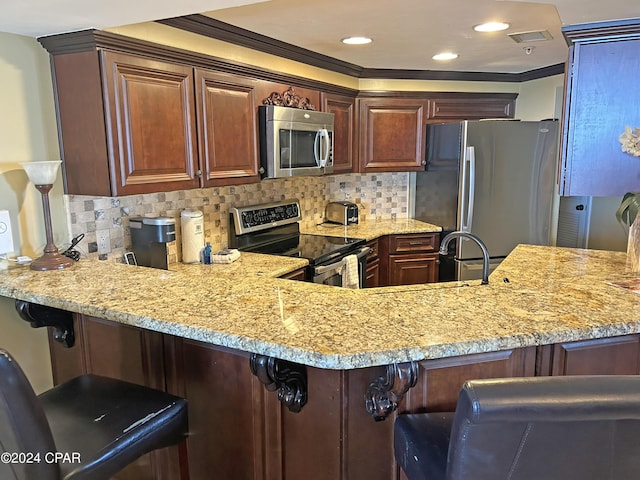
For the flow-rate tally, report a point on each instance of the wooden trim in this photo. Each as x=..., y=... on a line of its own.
x=212, y=28
x=599, y=31
x=463, y=76
x=91, y=40
x=437, y=95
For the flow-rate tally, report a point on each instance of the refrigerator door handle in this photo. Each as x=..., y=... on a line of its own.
x=468, y=187
x=471, y=154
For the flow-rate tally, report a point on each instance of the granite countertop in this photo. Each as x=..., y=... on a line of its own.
x=552, y=295
x=372, y=230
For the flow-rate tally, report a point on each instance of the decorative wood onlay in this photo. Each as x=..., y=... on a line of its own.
x=289, y=99
x=385, y=392
x=212, y=28
x=43, y=316
x=288, y=378
x=95, y=40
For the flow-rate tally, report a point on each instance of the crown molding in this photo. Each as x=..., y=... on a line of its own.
x=599, y=31
x=94, y=40
x=212, y=28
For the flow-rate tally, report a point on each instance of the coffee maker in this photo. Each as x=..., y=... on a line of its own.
x=149, y=238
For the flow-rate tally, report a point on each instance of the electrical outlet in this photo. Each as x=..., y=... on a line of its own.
x=103, y=241
x=6, y=235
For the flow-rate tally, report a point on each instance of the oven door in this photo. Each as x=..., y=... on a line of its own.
x=331, y=274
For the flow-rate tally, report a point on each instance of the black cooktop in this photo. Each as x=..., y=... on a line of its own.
x=274, y=229
x=315, y=248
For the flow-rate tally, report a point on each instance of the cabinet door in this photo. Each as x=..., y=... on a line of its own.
x=409, y=269
x=343, y=109
x=150, y=124
x=448, y=109
x=439, y=381
x=603, y=99
x=604, y=356
x=227, y=128
x=392, y=134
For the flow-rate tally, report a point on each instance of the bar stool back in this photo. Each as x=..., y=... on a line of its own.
x=551, y=428
x=88, y=428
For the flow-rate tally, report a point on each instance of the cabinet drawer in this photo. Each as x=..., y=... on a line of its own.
x=375, y=248
x=299, y=275
x=414, y=243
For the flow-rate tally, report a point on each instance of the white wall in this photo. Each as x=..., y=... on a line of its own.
x=27, y=133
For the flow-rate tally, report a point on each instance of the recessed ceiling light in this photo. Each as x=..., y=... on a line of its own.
x=356, y=40
x=445, y=56
x=491, y=27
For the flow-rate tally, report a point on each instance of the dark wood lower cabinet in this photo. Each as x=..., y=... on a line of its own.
x=409, y=259
x=239, y=430
x=440, y=380
x=604, y=356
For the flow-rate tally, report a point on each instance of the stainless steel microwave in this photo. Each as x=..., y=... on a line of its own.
x=295, y=142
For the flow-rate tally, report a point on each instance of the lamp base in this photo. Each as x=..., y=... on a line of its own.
x=51, y=261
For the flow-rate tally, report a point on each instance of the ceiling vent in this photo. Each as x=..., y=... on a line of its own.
x=537, y=36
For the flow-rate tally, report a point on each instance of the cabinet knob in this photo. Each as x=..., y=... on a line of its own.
x=198, y=173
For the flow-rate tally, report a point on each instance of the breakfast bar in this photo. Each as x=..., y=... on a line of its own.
x=353, y=355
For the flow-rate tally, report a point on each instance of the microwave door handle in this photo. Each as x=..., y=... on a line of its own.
x=321, y=155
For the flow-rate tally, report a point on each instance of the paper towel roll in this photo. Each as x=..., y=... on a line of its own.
x=192, y=223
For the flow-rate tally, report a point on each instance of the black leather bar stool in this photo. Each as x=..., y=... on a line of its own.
x=551, y=428
x=101, y=424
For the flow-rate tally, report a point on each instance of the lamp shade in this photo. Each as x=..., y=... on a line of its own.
x=42, y=173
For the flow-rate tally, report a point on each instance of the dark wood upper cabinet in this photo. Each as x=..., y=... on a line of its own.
x=151, y=124
x=602, y=98
x=392, y=125
x=344, y=138
x=392, y=134
x=126, y=123
x=471, y=107
x=137, y=117
x=227, y=130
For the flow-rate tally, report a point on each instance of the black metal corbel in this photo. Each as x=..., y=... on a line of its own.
x=385, y=392
x=288, y=378
x=43, y=316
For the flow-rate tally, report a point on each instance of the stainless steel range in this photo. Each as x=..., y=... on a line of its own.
x=274, y=229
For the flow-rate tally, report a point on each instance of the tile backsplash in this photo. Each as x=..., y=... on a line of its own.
x=379, y=196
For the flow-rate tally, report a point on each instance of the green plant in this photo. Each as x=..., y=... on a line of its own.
x=628, y=209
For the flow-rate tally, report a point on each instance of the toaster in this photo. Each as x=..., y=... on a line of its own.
x=344, y=213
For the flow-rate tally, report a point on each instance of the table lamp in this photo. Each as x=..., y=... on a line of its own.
x=42, y=175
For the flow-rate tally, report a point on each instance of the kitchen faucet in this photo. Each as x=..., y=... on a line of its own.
x=485, y=253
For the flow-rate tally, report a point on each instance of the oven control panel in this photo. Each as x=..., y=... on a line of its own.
x=261, y=217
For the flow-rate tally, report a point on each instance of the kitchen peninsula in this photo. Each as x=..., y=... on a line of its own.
x=192, y=330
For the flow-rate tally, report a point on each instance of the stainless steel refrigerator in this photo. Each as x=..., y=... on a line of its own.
x=493, y=178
